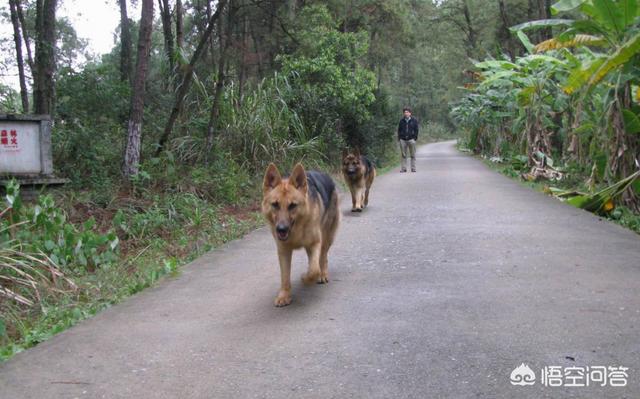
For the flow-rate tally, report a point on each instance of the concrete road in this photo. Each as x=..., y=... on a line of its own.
x=454, y=276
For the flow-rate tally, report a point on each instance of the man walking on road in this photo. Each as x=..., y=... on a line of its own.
x=407, y=136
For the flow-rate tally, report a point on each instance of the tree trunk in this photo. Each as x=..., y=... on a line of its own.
x=625, y=146
x=179, y=30
x=224, y=38
x=25, y=35
x=472, y=36
x=125, y=43
x=257, y=52
x=504, y=29
x=544, y=12
x=134, y=132
x=242, y=70
x=45, y=63
x=165, y=15
x=531, y=14
x=187, y=77
x=24, y=93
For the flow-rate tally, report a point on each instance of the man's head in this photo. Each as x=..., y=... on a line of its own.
x=407, y=112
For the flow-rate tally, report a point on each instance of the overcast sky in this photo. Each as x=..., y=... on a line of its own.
x=94, y=20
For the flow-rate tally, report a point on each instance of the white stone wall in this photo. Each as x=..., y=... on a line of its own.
x=20, y=147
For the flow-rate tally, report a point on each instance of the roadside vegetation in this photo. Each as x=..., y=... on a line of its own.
x=566, y=112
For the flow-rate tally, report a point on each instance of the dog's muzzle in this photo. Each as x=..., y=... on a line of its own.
x=282, y=231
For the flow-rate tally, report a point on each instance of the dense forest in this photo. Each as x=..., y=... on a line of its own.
x=165, y=137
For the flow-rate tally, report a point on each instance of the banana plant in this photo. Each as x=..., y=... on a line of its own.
x=608, y=24
x=609, y=32
x=525, y=92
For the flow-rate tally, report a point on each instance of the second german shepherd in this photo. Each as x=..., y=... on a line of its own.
x=358, y=172
x=303, y=212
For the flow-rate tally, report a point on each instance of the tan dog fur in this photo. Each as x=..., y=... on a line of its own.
x=288, y=202
x=359, y=182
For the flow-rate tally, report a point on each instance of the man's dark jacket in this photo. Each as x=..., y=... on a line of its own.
x=408, y=130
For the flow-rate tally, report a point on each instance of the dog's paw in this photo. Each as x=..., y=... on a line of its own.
x=310, y=277
x=323, y=279
x=354, y=210
x=283, y=299
x=358, y=210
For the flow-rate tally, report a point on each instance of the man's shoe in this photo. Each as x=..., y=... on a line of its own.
x=413, y=169
x=403, y=170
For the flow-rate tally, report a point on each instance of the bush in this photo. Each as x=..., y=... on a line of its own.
x=41, y=254
x=43, y=228
x=265, y=128
x=88, y=135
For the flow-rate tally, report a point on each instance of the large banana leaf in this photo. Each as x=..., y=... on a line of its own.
x=576, y=41
x=525, y=41
x=566, y=5
x=629, y=11
x=609, y=14
x=542, y=23
x=592, y=73
x=585, y=26
x=581, y=75
x=602, y=201
x=624, y=53
x=496, y=64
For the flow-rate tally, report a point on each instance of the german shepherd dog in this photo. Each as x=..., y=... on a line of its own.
x=303, y=212
x=358, y=172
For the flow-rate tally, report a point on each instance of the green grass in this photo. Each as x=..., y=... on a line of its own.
x=159, y=233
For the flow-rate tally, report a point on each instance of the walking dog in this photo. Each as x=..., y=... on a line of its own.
x=358, y=172
x=303, y=212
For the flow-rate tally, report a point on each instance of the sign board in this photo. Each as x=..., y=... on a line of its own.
x=25, y=145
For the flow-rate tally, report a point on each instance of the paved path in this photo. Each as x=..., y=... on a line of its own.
x=454, y=276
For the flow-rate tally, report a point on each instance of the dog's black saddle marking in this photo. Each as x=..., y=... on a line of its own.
x=368, y=165
x=320, y=185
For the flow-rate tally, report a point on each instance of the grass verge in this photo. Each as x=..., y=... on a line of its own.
x=156, y=233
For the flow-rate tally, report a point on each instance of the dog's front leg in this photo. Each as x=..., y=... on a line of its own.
x=354, y=196
x=313, y=274
x=284, y=295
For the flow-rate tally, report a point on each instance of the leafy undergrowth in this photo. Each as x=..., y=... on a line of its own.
x=574, y=181
x=65, y=257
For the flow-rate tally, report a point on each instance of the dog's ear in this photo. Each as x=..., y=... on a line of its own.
x=345, y=152
x=357, y=152
x=299, y=178
x=272, y=178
